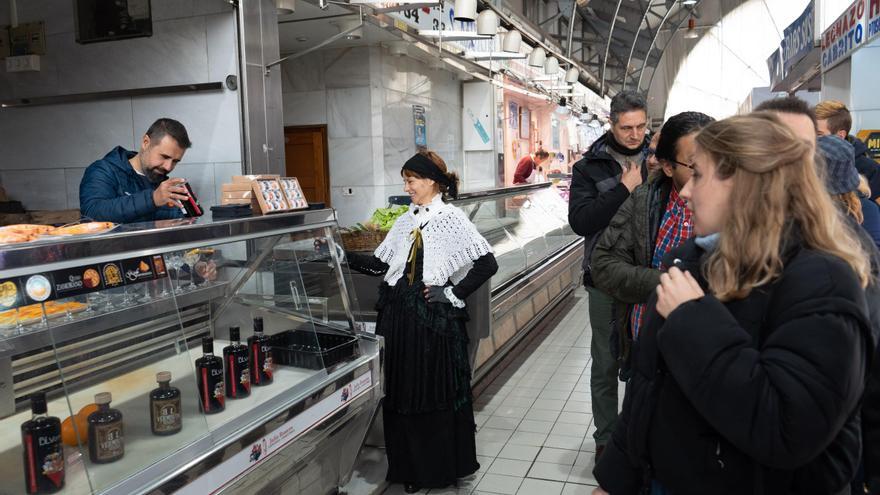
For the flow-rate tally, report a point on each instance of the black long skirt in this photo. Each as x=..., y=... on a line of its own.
x=428, y=408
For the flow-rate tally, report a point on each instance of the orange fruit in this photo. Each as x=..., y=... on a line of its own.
x=68, y=434
x=86, y=410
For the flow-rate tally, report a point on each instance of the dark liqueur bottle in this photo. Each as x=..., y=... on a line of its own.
x=238, y=368
x=106, y=435
x=165, y=412
x=41, y=447
x=209, y=371
x=261, y=355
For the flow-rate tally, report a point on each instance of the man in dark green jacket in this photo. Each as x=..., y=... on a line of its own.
x=627, y=258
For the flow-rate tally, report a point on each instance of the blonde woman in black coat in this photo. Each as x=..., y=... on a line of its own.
x=752, y=360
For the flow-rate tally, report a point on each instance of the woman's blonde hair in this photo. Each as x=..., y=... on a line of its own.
x=775, y=188
x=851, y=205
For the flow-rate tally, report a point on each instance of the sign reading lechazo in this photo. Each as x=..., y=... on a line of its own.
x=858, y=24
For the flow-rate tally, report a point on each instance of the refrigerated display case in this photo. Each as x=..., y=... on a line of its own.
x=539, y=263
x=86, y=315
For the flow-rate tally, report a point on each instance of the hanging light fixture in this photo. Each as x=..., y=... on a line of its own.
x=692, y=29
x=551, y=66
x=511, y=41
x=487, y=23
x=572, y=75
x=285, y=7
x=465, y=10
x=688, y=3
x=562, y=107
x=537, y=57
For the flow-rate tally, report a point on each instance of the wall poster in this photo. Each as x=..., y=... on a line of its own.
x=525, y=122
x=420, y=127
x=513, y=115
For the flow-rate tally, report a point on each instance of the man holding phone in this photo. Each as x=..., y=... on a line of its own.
x=127, y=186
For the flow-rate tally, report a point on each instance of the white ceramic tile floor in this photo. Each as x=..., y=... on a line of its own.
x=534, y=422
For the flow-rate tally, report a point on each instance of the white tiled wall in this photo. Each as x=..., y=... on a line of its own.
x=46, y=148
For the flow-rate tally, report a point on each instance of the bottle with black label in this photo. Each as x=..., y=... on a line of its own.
x=165, y=412
x=261, y=355
x=238, y=369
x=41, y=447
x=209, y=371
x=106, y=435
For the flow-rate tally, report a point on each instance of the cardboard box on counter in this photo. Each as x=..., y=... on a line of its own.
x=249, y=178
x=236, y=186
x=233, y=201
x=237, y=195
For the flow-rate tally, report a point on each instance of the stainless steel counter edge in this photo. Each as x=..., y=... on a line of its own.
x=143, y=239
x=181, y=461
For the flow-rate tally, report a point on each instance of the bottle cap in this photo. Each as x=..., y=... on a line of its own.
x=163, y=376
x=103, y=398
x=38, y=403
x=234, y=334
x=208, y=345
x=258, y=324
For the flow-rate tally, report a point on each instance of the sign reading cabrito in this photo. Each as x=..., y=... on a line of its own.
x=846, y=34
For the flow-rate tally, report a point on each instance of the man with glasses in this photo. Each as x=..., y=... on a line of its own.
x=627, y=259
x=601, y=181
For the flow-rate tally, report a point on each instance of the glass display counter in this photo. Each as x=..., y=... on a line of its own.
x=85, y=316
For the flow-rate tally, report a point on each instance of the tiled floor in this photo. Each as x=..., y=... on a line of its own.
x=535, y=420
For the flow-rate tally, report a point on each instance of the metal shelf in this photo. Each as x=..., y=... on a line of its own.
x=82, y=327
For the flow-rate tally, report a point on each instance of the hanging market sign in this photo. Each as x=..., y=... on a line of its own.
x=847, y=33
x=798, y=38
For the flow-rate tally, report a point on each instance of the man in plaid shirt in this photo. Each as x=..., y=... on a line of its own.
x=626, y=261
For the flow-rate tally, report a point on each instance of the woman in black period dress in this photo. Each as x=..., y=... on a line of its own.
x=432, y=259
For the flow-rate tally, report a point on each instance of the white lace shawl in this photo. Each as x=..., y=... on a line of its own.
x=450, y=241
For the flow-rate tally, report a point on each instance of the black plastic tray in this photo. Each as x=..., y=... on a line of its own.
x=318, y=350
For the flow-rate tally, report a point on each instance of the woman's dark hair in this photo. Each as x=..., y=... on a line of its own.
x=452, y=176
x=677, y=127
x=541, y=154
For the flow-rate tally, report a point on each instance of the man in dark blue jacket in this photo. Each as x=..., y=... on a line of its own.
x=127, y=186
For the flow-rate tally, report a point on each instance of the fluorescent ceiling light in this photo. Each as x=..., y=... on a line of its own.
x=452, y=35
x=495, y=56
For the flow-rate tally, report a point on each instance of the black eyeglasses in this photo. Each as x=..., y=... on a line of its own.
x=685, y=165
x=651, y=152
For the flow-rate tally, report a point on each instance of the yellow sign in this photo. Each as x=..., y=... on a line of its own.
x=871, y=137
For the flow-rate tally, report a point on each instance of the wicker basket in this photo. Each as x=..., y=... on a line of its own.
x=362, y=240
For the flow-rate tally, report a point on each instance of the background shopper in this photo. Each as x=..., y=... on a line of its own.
x=601, y=181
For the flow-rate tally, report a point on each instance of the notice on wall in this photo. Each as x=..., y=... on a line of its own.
x=420, y=127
